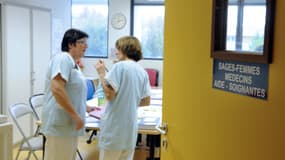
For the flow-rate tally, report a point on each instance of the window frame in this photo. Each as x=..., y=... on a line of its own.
x=107, y=43
x=219, y=35
x=143, y=3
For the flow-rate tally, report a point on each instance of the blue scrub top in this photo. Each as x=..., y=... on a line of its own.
x=55, y=120
x=118, y=128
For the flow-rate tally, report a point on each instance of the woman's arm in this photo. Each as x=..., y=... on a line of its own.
x=145, y=101
x=60, y=95
x=108, y=89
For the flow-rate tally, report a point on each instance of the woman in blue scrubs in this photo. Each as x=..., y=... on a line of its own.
x=64, y=108
x=126, y=87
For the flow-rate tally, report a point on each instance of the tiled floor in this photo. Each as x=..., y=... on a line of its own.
x=88, y=151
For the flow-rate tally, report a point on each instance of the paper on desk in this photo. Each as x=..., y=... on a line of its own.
x=97, y=112
x=156, y=93
x=149, y=111
x=91, y=120
x=156, y=102
x=148, y=122
x=92, y=102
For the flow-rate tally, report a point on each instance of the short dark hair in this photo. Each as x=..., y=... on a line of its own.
x=130, y=46
x=70, y=37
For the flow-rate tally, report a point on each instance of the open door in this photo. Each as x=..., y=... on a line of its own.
x=210, y=124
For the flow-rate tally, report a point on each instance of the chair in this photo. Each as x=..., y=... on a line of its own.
x=153, y=76
x=32, y=143
x=90, y=93
x=36, y=102
x=90, y=89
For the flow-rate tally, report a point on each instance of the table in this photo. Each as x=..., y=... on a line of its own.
x=152, y=134
x=154, y=110
x=93, y=124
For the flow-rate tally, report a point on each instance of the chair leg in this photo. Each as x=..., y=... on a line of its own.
x=34, y=154
x=19, y=150
x=139, y=139
x=79, y=154
x=29, y=155
x=90, y=138
x=17, y=156
x=44, y=146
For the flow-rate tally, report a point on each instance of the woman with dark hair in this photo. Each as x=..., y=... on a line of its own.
x=126, y=87
x=64, y=108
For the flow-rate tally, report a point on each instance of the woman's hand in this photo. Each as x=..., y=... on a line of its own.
x=89, y=109
x=100, y=67
x=78, y=122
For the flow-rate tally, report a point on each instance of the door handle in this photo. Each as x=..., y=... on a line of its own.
x=162, y=128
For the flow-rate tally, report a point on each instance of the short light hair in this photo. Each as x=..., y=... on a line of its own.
x=130, y=46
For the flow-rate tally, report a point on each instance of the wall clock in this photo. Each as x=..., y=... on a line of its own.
x=118, y=21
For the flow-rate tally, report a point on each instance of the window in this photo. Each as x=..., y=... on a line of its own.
x=148, y=27
x=91, y=16
x=243, y=30
x=250, y=27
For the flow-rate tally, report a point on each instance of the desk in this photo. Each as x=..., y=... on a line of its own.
x=154, y=110
x=95, y=126
x=152, y=134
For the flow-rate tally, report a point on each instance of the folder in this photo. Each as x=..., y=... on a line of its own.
x=98, y=111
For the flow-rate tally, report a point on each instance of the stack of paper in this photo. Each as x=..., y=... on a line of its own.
x=98, y=112
x=92, y=102
x=148, y=122
x=149, y=117
x=157, y=102
x=156, y=93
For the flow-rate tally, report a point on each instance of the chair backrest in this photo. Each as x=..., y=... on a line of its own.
x=153, y=76
x=90, y=88
x=36, y=101
x=20, y=110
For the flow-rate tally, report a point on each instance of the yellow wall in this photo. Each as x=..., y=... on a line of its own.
x=220, y=125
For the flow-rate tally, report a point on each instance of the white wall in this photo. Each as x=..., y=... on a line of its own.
x=13, y=26
x=61, y=16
